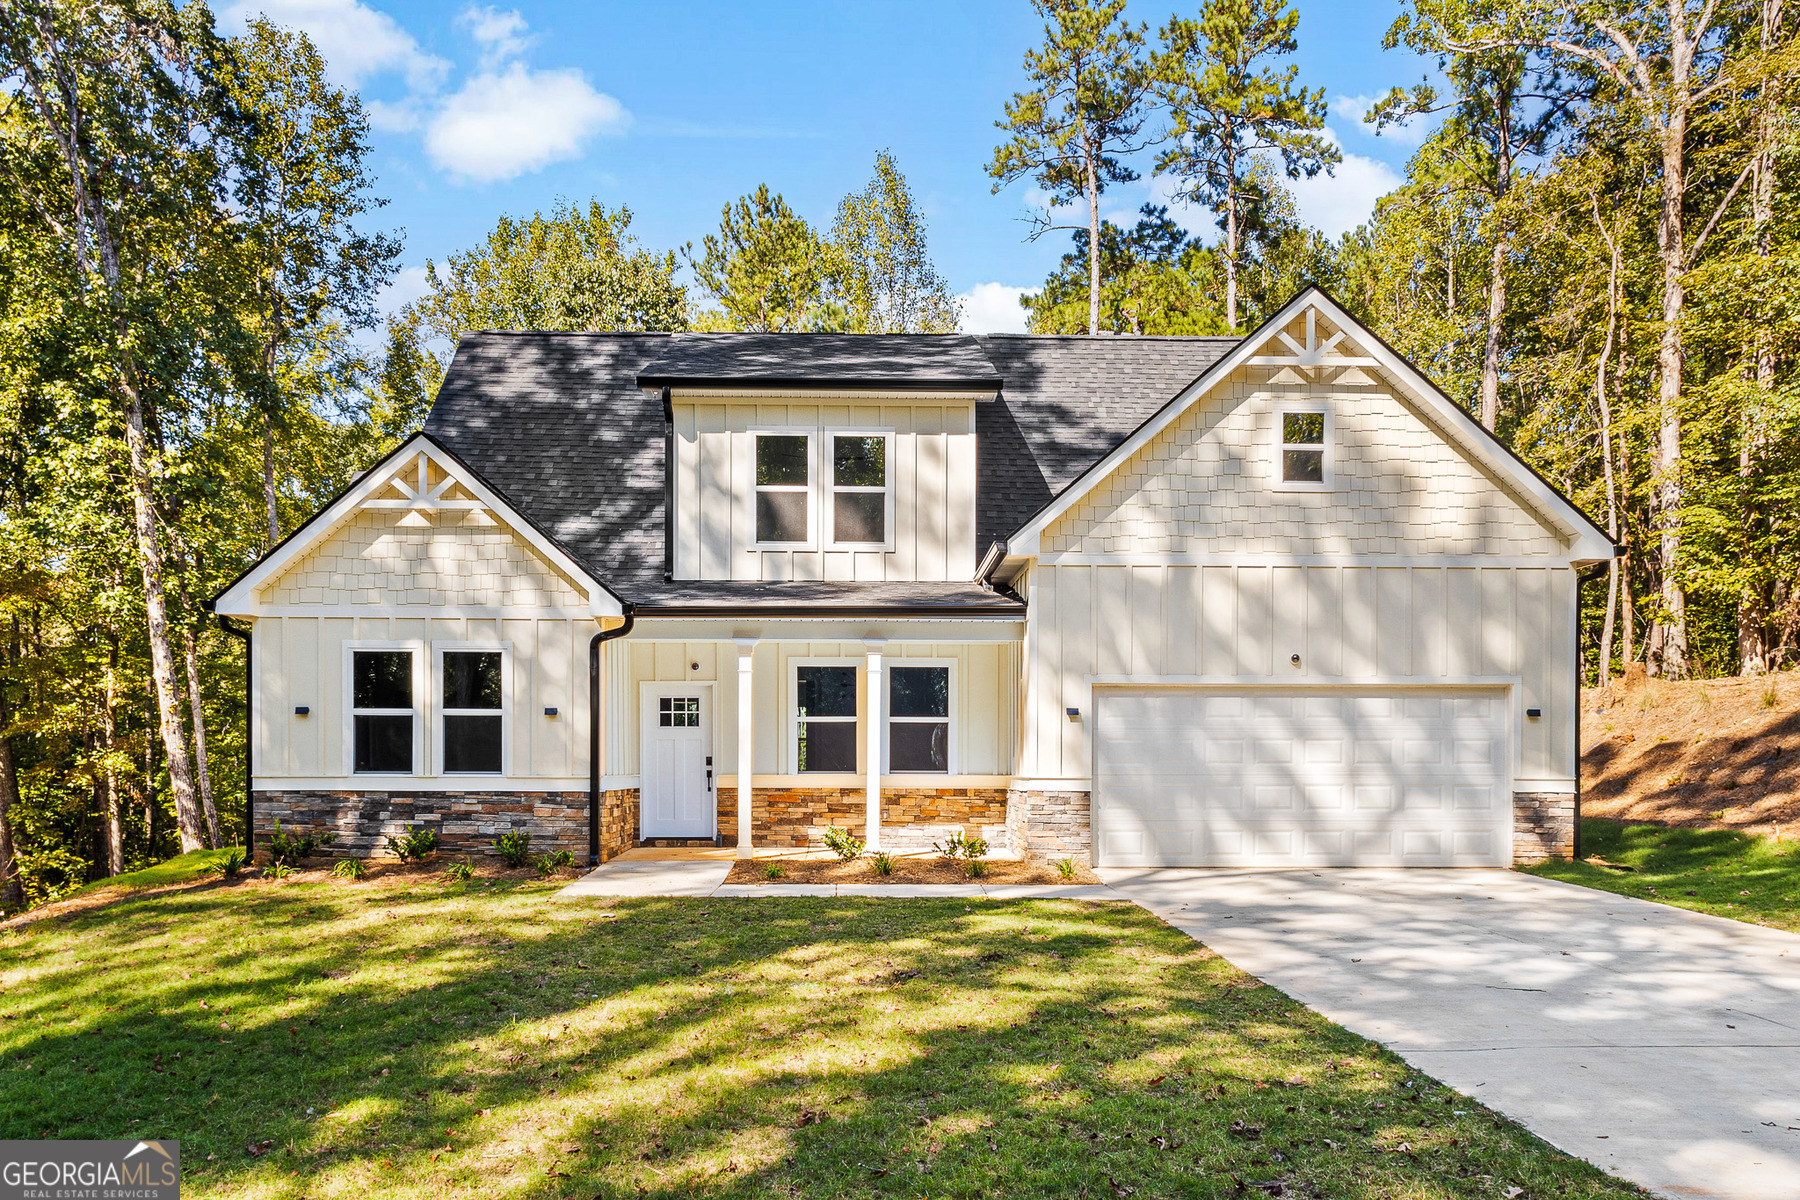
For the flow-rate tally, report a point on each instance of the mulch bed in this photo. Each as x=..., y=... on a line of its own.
x=906, y=871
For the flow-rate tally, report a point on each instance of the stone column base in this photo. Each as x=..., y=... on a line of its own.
x=1051, y=824
x=1543, y=827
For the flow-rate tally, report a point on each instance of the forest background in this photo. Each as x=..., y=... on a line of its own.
x=1596, y=251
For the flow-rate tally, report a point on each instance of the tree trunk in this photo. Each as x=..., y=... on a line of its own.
x=12, y=889
x=1606, y=454
x=268, y=466
x=1231, y=243
x=115, y=822
x=202, y=775
x=188, y=818
x=1490, y=359
x=1093, y=195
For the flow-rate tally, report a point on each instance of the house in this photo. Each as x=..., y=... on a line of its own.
x=1135, y=600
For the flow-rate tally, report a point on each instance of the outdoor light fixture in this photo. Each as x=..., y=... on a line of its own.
x=300, y=710
x=1534, y=713
x=1074, y=713
x=549, y=712
x=1294, y=658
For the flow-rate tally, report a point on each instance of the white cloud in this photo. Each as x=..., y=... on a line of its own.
x=501, y=124
x=1340, y=202
x=992, y=308
x=1411, y=132
x=407, y=285
x=357, y=42
x=501, y=35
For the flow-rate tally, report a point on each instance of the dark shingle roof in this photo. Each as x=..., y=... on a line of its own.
x=559, y=424
x=816, y=360
x=921, y=595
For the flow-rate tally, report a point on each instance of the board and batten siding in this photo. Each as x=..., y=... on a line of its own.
x=1189, y=564
x=983, y=700
x=932, y=474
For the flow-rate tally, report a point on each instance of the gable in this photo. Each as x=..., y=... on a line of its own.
x=419, y=529
x=1208, y=482
x=1415, y=474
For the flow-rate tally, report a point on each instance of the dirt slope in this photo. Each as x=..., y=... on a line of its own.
x=1710, y=753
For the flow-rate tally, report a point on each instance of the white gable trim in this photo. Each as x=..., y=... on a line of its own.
x=240, y=599
x=1588, y=542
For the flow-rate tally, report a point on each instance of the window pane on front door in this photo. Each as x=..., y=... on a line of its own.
x=826, y=691
x=827, y=746
x=471, y=679
x=384, y=744
x=383, y=679
x=472, y=744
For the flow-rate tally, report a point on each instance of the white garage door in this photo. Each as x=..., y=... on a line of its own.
x=1266, y=778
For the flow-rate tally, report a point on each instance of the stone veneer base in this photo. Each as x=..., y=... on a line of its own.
x=467, y=822
x=911, y=818
x=1051, y=824
x=1543, y=826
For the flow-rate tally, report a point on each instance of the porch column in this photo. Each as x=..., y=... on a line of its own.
x=877, y=693
x=746, y=648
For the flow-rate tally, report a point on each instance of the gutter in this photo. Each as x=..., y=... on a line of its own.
x=668, y=487
x=990, y=562
x=249, y=732
x=828, y=612
x=604, y=635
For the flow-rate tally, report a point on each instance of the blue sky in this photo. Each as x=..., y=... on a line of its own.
x=674, y=109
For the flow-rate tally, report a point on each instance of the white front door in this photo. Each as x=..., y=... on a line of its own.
x=676, y=793
x=1298, y=777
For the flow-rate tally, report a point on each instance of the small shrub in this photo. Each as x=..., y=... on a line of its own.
x=774, y=871
x=883, y=863
x=550, y=864
x=840, y=843
x=350, y=868
x=460, y=872
x=289, y=848
x=1065, y=867
x=417, y=846
x=1770, y=697
x=974, y=868
x=958, y=846
x=277, y=870
x=514, y=847
x=231, y=864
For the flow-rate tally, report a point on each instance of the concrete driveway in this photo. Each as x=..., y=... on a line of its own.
x=1661, y=1045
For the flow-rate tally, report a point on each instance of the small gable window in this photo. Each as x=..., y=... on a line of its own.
x=381, y=705
x=782, y=488
x=859, y=489
x=1303, y=447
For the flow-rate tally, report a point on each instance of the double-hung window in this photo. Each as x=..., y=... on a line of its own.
x=859, y=489
x=918, y=719
x=783, y=488
x=1302, y=447
x=381, y=708
x=474, y=712
x=825, y=719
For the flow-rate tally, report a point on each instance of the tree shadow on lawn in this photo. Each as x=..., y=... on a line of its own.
x=498, y=1042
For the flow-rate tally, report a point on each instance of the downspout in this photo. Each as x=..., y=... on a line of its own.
x=249, y=734
x=668, y=486
x=605, y=635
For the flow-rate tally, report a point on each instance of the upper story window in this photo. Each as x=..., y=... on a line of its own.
x=1303, y=447
x=783, y=488
x=859, y=488
x=381, y=707
x=474, y=718
x=825, y=718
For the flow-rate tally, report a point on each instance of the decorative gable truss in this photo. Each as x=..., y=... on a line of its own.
x=1312, y=344
x=419, y=529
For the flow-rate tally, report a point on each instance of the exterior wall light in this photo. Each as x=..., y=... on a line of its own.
x=1074, y=713
x=549, y=712
x=300, y=710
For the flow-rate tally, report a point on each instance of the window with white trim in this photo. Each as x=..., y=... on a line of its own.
x=918, y=719
x=859, y=488
x=783, y=488
x=473, y=716
x=1302, y=447
x=382, y=711
x=825, y=718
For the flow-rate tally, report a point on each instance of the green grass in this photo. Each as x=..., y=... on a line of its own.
x=1718, y=871
x=415, y=1038
x=183, y=868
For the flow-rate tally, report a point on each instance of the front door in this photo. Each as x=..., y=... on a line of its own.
x=676, y=796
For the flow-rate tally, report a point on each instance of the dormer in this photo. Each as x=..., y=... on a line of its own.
x=821, y=456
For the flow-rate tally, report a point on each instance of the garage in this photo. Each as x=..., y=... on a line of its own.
x=1266, y=777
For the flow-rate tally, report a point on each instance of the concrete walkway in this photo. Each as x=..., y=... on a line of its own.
x=1661, y=1045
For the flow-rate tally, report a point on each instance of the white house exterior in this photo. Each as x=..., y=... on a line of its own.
x=1184, y=601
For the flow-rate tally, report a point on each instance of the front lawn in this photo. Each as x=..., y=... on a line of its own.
x=414, y=1038
x=1719, y=871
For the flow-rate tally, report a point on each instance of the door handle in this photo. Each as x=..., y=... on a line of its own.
x=709, y=779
